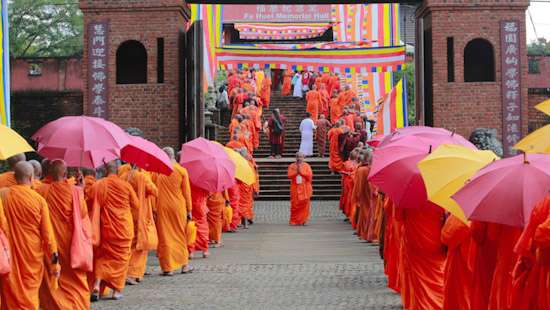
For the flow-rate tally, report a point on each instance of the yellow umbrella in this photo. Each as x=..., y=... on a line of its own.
x=11, y=143
x=536, y=142
x=243, y=171
x=544, y=106
x=446, y=170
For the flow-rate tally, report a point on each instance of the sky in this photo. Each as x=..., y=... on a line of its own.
x=540, y=11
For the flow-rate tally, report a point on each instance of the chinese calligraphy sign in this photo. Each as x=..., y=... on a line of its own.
x=97, y=69
x=511, y=84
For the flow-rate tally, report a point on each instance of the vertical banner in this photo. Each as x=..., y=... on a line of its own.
x=5, y=68
x=511, y=84
x=97, y=69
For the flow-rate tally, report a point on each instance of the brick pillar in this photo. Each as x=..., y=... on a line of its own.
x=154, y=107
x=458, y=105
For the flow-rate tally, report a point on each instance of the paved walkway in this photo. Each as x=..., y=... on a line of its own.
x=275, y=266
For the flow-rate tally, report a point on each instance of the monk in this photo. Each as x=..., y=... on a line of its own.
x=89, y=181
x=173, y=209
x=345, y=97
x=334, y=84
x=238, y=102
x=422, y=257
x=391, y=245
x=7, y=179
x=200, y=213
x=216, y=203
x=347, y=171
x=325, y=101
x=287, y=83
x=246, y=194
x=123, y=169
x=233, y=82
x=313, y=99
x=234, y=202
x=301, y=190
x=144, y=223
x=335, y=109
x=456, y=236
x=336, y=162
x=531, y=275
x=323, y=126
x=362, y=196
x=37, y=167
x=117, y=200
x=265, y=94
x=483, y=257
x=25, y=219
x=235, y=143
x=73, y=291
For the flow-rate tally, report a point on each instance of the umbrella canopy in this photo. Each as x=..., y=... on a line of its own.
x=375, y=140
x=146, y=155
x=208, y=165
x=459, y=163
x=395, y=169
x=81, y=141
x=507, y=190
x=425, y=132
x=544, y=107
x=243, y=171
x=536, y=142
x=12, y=143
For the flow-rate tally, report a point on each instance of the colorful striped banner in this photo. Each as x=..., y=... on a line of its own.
x=5, y=68
x=392, y=112
x=211, y=16
x=278, y=31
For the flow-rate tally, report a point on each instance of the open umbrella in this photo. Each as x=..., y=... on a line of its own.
x=425, y=132
x=146, y=155
x=536, y=142
x=243, y=171
x=446, y=170
x=11, y=143
x=208, y=165
x=507, y=190
x=544, y=107
x=81, y=141
x=375, y=140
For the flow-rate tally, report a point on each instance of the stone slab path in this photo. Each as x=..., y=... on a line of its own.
x=274, y=266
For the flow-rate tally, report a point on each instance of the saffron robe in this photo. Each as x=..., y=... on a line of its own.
x=215, y=204
x=335, y=162
x=173, y=205
x=246, y=194
x=392, y=242
x=325, y=101
x=362, y=195
x=323, y=126
x=265, y=94
x=336, y=110
x=25, y=219
x=347, y=187
x=483, y=259
x=313, y=99
x=287, y=83
x=7, y=179
x=301, y=190
x=200, y=212
x=234, y=201
x=73, y=291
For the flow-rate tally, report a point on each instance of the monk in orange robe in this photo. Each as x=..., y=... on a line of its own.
x=238, y=102
x=200, y=211
x=116, y=200
x=483, y=259
x=345, y=97
x=422, y=257
x=265, y=94
x=7, y=179
x=233, y=82
x=391, y=245
x=234, y=142
x=456, y=236
x=216, y=204
x=73, y=291
x=234, y=202
x=301, y=190
x=249, y=132
x=323, y=126
x=313, y=99
x=325, y=101
x=37, y=167
x=25, y=219
x=335, y=162
x=287, y=83
x=251, y=114
x=89, y=181
x=174, y=206
x=531, y=275
x=123, y=169
x=334, y=84
x=362, y=196
x=246, y=194
x=144, y=223
x=347, y=172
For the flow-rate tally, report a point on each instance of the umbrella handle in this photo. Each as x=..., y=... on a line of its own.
x=525, y=161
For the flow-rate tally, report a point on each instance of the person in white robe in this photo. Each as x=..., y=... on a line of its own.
x=297, y=82
x=307, y=127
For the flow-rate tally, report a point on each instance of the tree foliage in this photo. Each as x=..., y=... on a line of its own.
x=539, y=47
x=45, y=28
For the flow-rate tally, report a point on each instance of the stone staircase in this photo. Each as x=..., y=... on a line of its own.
x=274, y=183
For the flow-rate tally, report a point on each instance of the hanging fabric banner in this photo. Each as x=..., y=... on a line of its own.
x=5, y=68
x=278, y=31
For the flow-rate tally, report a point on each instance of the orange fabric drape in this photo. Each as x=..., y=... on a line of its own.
x=200, y=211
x=313, y=99
x=335, y=160
x=362, y=196
x=483, y=259
x=7, y=179
x=301, y=191
x=287, y=83
x=215, y=204
x=392, y=239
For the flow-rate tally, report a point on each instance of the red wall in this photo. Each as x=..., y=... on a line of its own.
x=542, y=79
x=58, y=74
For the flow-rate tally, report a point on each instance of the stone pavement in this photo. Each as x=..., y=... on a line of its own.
x=274, y=266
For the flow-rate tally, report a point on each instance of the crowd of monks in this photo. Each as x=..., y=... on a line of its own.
x=128, y=213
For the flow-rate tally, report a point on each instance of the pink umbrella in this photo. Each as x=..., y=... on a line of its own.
x=395, y=168
x=81, y=141
x=146, y=155
x=425, y=132
x=507, y=190
x=208, y=165
x=375, y=140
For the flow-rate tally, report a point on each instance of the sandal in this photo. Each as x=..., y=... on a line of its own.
x=167, y=274
x=190, y=269
x=95, y=296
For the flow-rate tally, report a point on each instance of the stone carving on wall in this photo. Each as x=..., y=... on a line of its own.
x=486, y=139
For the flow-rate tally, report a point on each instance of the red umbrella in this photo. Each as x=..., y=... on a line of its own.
x=507, y=190
x=81, y=141
x=425, y=132
x=375, y=140
x=209, y=167
x=395, y=168
x=146, y=155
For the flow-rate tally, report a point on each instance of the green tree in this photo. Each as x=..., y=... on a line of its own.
x=539, y=47
x=45, y=28
x=408, y=73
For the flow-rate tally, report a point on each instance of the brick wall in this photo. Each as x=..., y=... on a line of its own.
x=541, y=79
x=537, y=119
x=152, y=107
x=461, y=106
x=57, y=74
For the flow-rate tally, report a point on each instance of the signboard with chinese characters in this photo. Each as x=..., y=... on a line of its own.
x=97, y=69
x=276, y=13
x=511, y=84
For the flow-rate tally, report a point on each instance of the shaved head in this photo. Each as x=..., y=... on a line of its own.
x=58, y=169
x=12, y=161
x=37, y=168
x=45, y=167
x=170, y=152
x=87, y=172
x=23, y=173
x=300, y=157
x=111, y=167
